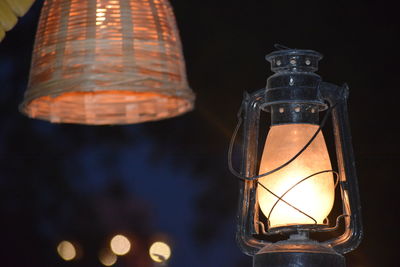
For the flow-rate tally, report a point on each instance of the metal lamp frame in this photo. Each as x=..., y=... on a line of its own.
x=248, y=217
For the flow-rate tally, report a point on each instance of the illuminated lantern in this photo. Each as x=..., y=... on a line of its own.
x=107, y=62
x=287, y=214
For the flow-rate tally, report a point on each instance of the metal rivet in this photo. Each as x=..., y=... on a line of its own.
x=278, y=62
x=281, y=110
x=297, y=109
x=293, y=61
x=308, y=62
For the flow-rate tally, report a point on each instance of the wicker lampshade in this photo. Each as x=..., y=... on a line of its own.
x=107, y=62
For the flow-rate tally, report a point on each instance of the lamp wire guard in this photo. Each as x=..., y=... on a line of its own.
x=256, y=177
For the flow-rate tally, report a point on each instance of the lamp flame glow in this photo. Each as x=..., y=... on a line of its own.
x=312, y=197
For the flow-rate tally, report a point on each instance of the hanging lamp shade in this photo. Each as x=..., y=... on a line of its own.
x=107, y=62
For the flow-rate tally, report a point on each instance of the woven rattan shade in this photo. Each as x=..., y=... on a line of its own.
x=107, y=62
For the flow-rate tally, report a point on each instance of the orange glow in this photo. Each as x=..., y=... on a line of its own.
x=143, y=107
x=314, y=196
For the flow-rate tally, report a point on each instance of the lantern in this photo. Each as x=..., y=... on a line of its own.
x=107, y=62
x=285, y=215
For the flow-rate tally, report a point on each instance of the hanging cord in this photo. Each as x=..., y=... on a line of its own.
x=256, y=177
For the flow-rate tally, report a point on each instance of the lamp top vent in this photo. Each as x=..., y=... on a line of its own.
x=287, y=59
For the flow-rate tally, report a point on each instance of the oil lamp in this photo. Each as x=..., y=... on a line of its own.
x=297, y=206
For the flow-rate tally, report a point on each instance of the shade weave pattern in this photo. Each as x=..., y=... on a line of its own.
x=107, y=62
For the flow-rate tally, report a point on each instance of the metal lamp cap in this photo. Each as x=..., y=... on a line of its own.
x=294, y=60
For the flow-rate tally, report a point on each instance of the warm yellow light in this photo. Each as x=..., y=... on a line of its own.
x=160, y=252
x=107, y=258
x=120, y=245
x=314, y=196
x=66, y=250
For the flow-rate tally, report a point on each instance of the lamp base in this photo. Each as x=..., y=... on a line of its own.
x=298, y=254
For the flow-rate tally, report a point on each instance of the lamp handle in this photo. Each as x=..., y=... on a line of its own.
x=351, y=238
x=250, y=115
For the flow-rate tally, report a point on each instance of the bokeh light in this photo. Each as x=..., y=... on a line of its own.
x=160, y=252
x=107, y=257
x=66, y=250
x=120, y=245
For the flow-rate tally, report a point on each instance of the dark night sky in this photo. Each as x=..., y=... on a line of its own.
x=169, y=179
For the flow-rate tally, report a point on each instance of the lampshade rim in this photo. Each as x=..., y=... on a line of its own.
x=187, y=99
x=184, y=91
